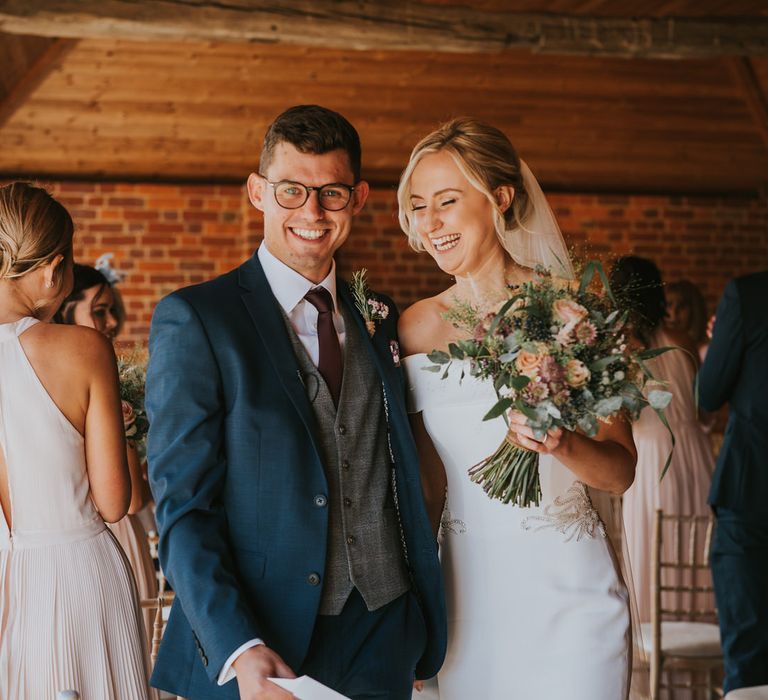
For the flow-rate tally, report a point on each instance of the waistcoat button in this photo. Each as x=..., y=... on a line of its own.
x=347, y=502
x=351, y=539
x=345, y=465
x=342, y=429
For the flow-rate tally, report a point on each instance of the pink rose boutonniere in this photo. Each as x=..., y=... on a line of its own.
x=371, y=309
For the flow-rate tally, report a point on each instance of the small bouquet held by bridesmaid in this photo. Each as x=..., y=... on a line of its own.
x=132, y=373
x=559, y=355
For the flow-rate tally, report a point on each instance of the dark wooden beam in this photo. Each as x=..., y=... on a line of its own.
x=749, y=84
x=24, y=70
x=367, y=24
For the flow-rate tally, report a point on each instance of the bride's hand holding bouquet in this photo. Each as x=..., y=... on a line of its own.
x=561, y=365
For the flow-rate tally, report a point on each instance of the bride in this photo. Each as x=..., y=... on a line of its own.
x=537, y=606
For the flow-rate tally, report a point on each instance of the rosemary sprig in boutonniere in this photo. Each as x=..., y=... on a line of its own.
x=372, y=310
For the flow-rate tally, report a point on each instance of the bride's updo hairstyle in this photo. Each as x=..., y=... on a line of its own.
x=34, y=229
x=486, y=157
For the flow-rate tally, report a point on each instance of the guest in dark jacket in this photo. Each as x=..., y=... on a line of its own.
x=735, y=370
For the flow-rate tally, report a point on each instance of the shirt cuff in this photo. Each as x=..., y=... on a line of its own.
x=227, y=672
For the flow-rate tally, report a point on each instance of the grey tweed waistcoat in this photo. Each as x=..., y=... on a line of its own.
x=364, y=549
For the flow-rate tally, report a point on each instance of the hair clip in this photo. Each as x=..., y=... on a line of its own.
x=112, y=275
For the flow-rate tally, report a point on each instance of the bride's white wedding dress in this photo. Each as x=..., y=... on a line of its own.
x=537, y=607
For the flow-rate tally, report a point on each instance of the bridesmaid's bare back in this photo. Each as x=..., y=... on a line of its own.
x=77, y=368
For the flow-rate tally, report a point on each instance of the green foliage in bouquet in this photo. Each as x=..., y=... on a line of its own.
x=132, y=373
x=562, y=357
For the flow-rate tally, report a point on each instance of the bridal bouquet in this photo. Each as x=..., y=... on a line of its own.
x=132, y=373
x=559, y=355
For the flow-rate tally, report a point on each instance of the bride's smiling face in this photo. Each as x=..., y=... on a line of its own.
x=453, y=218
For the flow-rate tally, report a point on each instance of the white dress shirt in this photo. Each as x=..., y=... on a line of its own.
x=289, y=288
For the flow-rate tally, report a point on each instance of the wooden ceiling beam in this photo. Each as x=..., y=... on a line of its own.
x=44, y=57
x=371, y=25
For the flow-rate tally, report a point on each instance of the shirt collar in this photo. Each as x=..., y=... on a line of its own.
x=288, y=286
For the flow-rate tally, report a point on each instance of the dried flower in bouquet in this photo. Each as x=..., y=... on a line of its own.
x=559, y=355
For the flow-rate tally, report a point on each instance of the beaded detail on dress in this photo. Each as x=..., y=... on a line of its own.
x=451, y=526
x=571, y=514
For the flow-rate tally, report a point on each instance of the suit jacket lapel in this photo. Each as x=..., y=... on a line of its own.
x=264, y=310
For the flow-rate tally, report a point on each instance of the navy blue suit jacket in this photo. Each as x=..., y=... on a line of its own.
x=736, y=371
x=235, y=470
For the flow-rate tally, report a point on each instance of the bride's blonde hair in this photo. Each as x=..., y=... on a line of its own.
x=34, y=229
x=485, y=156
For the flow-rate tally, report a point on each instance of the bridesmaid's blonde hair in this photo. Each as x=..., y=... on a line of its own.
x=485, y=156
x=34, y=229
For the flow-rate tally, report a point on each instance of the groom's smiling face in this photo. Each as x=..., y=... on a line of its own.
x=306, y=238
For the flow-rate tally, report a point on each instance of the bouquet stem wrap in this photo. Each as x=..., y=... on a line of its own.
x=510, y=475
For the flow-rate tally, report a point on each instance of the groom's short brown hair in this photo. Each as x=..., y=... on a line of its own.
x=312, y=129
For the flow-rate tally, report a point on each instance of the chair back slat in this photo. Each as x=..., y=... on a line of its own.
x=163, y=600
x=681, y=587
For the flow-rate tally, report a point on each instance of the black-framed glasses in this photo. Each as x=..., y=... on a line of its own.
x=334, y=196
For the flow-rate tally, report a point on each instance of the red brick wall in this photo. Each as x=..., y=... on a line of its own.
x=167, y=236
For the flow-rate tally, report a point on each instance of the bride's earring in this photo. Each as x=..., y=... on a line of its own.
x=49, y=284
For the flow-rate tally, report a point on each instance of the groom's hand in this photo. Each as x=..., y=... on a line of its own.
x=254, y=667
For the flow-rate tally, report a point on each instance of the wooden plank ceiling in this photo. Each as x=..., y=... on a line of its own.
x=196, y=111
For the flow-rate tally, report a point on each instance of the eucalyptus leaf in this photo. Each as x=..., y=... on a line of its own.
x=659, y=399
x=456, y=351
x=469, y=347
x=608, y=406
x=588, y=424
x=529, y=413
x=553, y=410
x=433, y=368
x=499, y=408
x=519, y=382
x=632, y=404
x=602, y=363
x=500, y=315
x=655, y=352
x=439, y=357
x=665, y=422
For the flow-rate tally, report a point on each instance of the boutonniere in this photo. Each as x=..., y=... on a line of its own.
x=394, y=348
x=372, y=310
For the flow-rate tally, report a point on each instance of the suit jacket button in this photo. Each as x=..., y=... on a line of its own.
x=313, y=579
x=204, y=659
x=321, y=501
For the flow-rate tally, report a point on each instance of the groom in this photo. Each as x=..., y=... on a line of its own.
x=292, y=525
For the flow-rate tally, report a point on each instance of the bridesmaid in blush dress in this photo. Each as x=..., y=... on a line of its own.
x=69, y=617
x=94, y=303
x=685, y=487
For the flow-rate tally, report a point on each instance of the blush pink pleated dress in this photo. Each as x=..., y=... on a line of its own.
x=69, y=617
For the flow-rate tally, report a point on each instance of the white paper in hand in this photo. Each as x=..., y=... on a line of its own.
x=306, y=688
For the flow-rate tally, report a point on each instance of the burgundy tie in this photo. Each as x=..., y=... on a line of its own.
x=330, y=350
